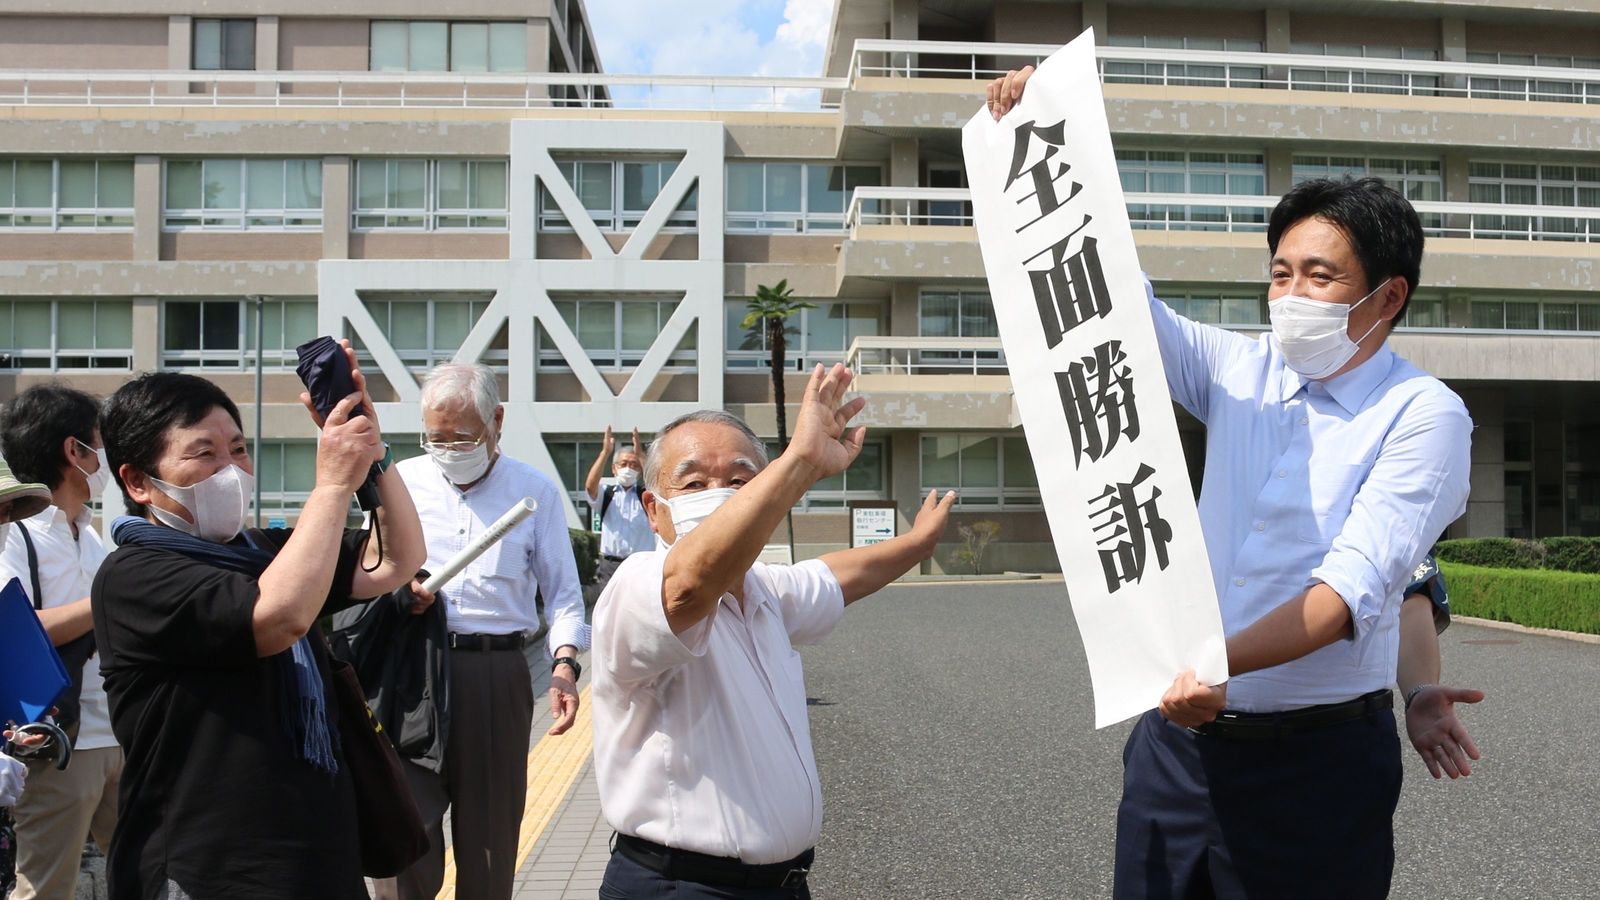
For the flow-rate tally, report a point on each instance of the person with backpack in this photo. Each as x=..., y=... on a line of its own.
x=50, y=434
x=624, y=526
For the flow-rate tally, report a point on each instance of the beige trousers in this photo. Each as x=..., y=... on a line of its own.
x=58, y=811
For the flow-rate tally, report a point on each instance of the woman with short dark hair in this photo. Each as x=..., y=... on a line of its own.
x=235, y=783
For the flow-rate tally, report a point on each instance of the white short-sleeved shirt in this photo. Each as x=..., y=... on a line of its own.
x=701, y=739
x=625, y=528
x=66, y=571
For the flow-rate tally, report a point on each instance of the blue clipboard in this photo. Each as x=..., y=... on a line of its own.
x=31, y=673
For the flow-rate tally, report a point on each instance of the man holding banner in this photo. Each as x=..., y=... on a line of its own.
x=1332, y=466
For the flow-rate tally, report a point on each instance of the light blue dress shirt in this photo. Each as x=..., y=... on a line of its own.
x=1348, y=481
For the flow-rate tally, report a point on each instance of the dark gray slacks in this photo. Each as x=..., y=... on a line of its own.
x=602, y=575
x=484, y=783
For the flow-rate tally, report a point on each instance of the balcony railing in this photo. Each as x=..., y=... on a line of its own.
x=972, y=61
x=415, y=90
x=890, y=355
x=1238, y=69
x=1239, y=214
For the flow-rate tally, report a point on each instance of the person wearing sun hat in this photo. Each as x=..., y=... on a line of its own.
x=18, y=500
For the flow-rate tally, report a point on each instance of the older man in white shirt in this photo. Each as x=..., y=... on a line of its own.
x=460, y=488
x=702, y=748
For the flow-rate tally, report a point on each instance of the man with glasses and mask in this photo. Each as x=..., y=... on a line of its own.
x=1332, y=466
x=461, y=486
x=51, y=434
x=624, y=527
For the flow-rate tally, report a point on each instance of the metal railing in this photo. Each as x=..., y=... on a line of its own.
x=1238, y=69
x=415, y=90
x=1239, y=213
x=890, y=355
x=967, y=60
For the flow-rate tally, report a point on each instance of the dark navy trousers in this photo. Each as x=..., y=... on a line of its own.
x=627, y=880
x=1305, y=816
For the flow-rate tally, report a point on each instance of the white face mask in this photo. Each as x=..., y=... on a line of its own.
x=5, y=532
x=1314, y=335
x=218, y=504
x=689, y=510
x=99, y=478
x=462, y=466
x=627, y=477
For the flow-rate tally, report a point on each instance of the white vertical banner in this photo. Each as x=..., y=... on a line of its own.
x=1070, y=303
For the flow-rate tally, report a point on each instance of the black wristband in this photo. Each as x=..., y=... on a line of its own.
x=577, y=670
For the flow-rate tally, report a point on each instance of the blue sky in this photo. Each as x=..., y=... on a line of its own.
x=711, y=37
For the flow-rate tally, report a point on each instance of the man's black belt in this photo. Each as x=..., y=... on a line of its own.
x=612, y=558
x=516, y=640
x=686, y=865
x=1243, y=726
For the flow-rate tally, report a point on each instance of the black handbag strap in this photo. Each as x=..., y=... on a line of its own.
x=33, y=565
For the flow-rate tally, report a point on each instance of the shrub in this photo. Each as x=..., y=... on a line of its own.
x=976, y=538
x=1573, y=554
x=1495, y=553
x=586, y=552
x=1568, y=601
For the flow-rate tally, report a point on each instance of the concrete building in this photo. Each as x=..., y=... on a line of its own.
x=473, y=187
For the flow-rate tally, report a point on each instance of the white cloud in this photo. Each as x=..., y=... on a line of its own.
x=710, y=37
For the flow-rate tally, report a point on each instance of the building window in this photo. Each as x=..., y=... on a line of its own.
x=793, y=197
x=224, y=44
x=1193, y=74
x=617, y=193
x=1424, y=312
x=616, y=333
x=1226, y=306
x=573, y=457
x=822, y=334
x=1348, y=81
x=1535, y=315
x=987, y=471
x=427, y=331
x=61, y=335
x=286, y=471
x=66, y=194
x=1551, y=90
x=865, y=479
x=400, y=46
x=1530, y=184
x=1194, y=172
x=431, y=194
x=221, y=334
x=957, y=314
x=243, y=194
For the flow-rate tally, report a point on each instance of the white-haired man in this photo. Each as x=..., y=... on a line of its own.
x=702, y=749
x=461, y=487
x=624, y=527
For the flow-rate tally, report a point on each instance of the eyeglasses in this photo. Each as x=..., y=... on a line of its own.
x=453, y=446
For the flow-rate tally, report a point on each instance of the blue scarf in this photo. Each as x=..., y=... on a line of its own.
x=309, y=717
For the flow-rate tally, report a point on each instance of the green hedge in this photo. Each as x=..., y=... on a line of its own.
x=586, y=550
x=1561, y=554
x=1568, y=601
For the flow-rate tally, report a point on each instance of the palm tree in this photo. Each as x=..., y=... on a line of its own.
x=772, y=306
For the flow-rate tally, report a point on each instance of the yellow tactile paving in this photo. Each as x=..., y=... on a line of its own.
x=553, y=765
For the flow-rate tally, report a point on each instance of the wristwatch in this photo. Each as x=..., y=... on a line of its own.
x=1412, y=694
x=577, y=670
x=388, y=458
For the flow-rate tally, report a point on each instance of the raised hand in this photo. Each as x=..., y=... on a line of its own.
x=823, y=438
x=349, y=445
x=932, y=519
x=609, y=441
x=1437, y=733
x=1004, y=92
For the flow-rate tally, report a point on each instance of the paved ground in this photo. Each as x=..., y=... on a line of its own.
x=954, y=733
